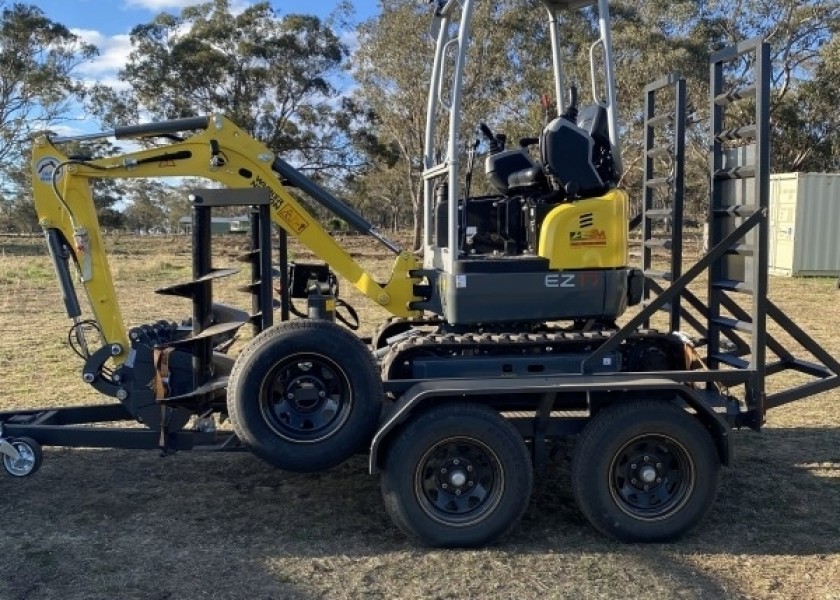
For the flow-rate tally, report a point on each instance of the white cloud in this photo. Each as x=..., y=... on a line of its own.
x=113, y=54
x=90, y=36
x=158, y=5
x=109, y=81
x=350, y=38
x=66, y=130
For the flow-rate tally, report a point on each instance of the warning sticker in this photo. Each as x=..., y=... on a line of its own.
x=460, y=281
x=292, y=218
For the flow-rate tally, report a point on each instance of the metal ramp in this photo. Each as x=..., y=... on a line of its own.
x=740, y=189
x=664, y=188
x=733, y=320
x=738, y=306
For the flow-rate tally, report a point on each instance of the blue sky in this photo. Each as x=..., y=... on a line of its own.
x=117, y=17
x=106, y=24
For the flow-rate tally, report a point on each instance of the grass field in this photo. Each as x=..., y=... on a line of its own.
x=129, y=524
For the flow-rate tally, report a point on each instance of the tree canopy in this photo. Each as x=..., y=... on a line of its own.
x=38, y=62
x=274, y=76
x=358, y=119
x=510, y=70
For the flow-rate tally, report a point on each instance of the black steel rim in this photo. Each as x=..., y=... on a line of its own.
x=651, y=477
x=306, y=398
x=459, y=481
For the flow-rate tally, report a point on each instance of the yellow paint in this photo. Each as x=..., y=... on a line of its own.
x=248, y=164
x=587, y=234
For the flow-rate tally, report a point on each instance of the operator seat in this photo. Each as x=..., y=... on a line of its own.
x=576, y=153
x=515, y=171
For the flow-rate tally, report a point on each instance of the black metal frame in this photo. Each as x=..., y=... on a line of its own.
x=738, y=259
x=259, y=255
x=740, y=190
x=76, y=427
x=672, y=151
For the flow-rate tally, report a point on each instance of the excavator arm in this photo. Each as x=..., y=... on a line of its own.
x=220, y=151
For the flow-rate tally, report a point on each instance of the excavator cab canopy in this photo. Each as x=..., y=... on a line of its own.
x=442, y=169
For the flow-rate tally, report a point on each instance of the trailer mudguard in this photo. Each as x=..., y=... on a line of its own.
x=426, y=392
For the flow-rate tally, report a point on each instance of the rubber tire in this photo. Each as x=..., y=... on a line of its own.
x=605, y=436
x=423, y=433
x=37, y=453
x=277, y=344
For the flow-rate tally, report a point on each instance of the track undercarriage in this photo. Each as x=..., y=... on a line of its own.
x=535, y=349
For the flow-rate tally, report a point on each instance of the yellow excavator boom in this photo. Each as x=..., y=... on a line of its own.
x=222, y=152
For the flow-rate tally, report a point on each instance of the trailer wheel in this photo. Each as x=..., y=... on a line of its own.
x=458, y=475
x=305, y=395
x=645, y=471
x=29, y=461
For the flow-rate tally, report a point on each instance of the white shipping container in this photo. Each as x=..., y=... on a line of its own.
x=805, y=224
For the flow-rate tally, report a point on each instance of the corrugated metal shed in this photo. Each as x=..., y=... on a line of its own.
x=805, y=224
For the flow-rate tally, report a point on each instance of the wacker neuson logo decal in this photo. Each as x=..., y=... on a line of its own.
x=46, y=167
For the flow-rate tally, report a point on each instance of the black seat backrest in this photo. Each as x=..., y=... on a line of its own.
x=593, y=119
x=567, y=158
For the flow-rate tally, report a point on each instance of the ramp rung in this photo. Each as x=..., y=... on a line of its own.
x=737, y=210
x=659, y=120
x=737, y=325
x=742, y=172
x=728, y=98
x=658, y=243
x=660, y=152
x=658, y=213
x=731, y=360
x=747, y=132
x=658, y=182
x=732, y=285
x=664, y=275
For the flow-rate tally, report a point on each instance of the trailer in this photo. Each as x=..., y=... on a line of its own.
x=457, y=413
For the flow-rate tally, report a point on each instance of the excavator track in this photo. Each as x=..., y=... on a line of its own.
x=645, y=350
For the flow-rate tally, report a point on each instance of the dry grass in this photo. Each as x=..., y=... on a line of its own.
x=122, y=524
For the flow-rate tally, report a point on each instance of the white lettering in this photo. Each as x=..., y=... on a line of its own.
x=560, y=280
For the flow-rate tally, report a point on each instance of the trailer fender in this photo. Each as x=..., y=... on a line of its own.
x=716, y=424
x=400, y=412
x=463, y=389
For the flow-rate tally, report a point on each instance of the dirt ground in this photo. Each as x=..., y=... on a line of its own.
x=129, y=524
